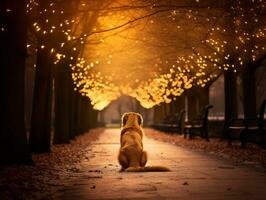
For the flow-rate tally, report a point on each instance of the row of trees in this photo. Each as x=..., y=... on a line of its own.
x=73, y=112
x=191, y=43
x=229, y=37
x=209, y=39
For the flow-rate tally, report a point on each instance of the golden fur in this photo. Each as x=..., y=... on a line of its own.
x=132, y=157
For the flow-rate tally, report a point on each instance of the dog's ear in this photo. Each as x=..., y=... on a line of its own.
x=140, y=120
x=124, y=119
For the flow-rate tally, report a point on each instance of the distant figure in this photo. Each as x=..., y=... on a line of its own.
x=132, y=157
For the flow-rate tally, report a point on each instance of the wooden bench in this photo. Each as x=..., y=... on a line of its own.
x=174, y=124
x=255, y=130
x=199, y=124
x=233, y=129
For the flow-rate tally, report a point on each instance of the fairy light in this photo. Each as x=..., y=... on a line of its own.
x=172, y=78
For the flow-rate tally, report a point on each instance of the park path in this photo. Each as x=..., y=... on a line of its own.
x=194, y=175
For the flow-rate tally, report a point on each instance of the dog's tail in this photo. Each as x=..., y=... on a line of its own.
x=148, y=169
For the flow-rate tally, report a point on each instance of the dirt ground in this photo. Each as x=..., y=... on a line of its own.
x=193, y=174
x=54, y=172
x=51, y=172
x=252, y=154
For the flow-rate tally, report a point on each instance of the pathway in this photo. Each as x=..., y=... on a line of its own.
x=194, y=175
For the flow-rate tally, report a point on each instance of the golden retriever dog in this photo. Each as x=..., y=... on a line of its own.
x=132, y=157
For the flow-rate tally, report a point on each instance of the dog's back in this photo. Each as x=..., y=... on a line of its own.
x=130, y=138
x=131, y=156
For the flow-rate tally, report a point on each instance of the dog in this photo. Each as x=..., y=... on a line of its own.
x=132, y=157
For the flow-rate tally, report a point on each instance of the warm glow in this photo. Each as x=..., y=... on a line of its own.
x=148, y=59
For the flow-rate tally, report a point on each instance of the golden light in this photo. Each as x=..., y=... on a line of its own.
x=117, y=58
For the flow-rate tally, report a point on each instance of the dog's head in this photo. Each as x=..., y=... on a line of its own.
x=132, y=119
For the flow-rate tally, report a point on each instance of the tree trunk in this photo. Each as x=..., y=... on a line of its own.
x=158, y=113
x=40, y=136
x=93, y=117
x=249, y=92
x=62, y=104
x=73, y=111
x=172, y=107
x=13, y=139
x=179, y=104
x=164, y=107
x=203, y=95
x=83, y=114
x=101, y=121
x=193, y=107
x=230, y=96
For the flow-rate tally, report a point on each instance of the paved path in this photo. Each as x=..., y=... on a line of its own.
x=194, y=175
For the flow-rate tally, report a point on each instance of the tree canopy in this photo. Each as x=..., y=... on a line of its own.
x=151, y=50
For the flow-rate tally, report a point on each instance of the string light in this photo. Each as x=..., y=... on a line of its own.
x=225, y=47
